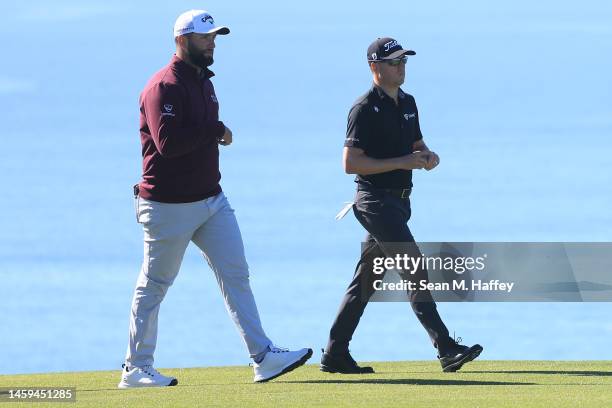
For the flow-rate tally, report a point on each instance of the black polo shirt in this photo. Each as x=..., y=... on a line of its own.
x=384, y=130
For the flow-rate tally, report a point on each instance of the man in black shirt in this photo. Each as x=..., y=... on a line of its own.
x=383, y=145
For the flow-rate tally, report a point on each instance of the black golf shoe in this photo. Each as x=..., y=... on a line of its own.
x=342, y=363
x=457, y=356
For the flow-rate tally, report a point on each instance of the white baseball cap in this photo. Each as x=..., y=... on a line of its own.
x=197, y=21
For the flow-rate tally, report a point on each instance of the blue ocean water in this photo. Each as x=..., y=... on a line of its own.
x=513, y=97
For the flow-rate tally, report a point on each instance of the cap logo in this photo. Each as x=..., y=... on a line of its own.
x=208, y=17
x=374, y=56
x=390, y=44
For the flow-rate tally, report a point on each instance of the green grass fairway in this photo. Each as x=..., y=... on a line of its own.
x=401, y=384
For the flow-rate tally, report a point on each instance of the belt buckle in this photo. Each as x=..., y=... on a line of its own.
x=405, y=193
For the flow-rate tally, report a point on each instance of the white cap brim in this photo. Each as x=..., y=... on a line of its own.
x=219, y=30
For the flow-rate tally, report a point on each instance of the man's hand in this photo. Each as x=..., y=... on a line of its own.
x=432, y=160
x=226, y=139
x=416, y=160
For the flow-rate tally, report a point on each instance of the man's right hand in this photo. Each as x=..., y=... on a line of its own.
x=416, y=160
x=226, y=139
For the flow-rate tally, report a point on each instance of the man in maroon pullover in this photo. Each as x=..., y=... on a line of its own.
x=180, y=201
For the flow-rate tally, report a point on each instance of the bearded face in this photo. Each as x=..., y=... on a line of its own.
x=201, y=57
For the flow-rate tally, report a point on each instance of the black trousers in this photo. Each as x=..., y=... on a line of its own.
x=385, y=218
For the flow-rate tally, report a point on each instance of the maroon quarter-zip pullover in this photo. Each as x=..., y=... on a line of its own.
x=179, y=129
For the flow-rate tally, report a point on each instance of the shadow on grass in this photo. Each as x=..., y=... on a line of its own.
x=553, y=372
x=407, y=381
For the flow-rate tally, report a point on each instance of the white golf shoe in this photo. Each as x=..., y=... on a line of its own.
x=145, y=376
x=279, y=361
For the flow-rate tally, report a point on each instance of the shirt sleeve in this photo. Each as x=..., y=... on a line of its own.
x=164, y=109
x=357, y=129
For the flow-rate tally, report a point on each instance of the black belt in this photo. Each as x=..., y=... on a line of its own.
x=403, y=193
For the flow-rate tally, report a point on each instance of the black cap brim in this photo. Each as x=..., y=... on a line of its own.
x=397, y=54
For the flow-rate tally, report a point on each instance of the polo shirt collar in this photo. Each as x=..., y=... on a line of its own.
x=184, y=68
x=383, y=95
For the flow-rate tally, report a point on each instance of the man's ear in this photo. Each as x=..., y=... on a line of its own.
x=372, y=67
x=181, y=41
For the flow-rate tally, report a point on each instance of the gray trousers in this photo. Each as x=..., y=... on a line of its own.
x=168, y=229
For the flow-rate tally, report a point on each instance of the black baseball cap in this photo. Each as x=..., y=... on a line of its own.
x=386, y=49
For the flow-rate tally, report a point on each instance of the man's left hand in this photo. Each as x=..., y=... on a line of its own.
x=432, y=161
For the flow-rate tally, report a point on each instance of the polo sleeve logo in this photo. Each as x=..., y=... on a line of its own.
x=214, y=98
x=168, y=110
x=409, y=116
